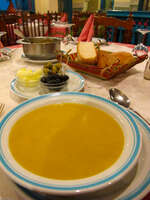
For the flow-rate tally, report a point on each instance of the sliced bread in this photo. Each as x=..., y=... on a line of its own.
x=86, y=52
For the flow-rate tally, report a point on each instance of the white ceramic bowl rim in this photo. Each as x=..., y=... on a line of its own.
x=39, y=186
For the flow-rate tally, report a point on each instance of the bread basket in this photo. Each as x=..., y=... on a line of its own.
x=103, y=73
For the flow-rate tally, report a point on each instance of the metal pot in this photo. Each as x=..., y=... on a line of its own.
x=40, y=48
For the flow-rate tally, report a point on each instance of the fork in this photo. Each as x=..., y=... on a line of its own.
x=2, y=105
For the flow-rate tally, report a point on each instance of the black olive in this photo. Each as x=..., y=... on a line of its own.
x=54, y=76
x=44, y=79
x=50, y=73
x=54, y=80
x=58, y=80
x=64, y=77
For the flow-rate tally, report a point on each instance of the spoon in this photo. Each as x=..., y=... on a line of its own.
x=19, y=33
x=120, y=98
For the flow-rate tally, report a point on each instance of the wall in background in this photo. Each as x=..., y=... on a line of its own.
x=77, y=5
x=42, y=6
x=18, y=5
x=25, y=5
x=86, y=5
x=4, y=4
x=126, y=5
x=93, y=5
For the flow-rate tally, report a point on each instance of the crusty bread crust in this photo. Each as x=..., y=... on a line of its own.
x=86, y=52
x=103, y=58
x=106, y=58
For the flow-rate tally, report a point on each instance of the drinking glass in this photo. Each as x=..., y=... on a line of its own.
x=53, y=19
x=58, y=19
x=140, y=48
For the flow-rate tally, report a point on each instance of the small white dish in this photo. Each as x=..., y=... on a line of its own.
x=37, y=61
x=75, y=83
x=137, y=189
x=111, y=176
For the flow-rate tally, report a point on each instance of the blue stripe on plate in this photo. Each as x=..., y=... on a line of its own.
x=146, y=181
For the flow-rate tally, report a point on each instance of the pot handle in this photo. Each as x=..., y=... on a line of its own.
x=22, y=41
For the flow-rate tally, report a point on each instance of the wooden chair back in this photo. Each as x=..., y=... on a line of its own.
x=53, y=15
x=31, y=24
x=78, y=25
x=8, y=23
x=34, y=25
x=114, y=29
x=79, y=19
x=84, y=15
x=110, y=28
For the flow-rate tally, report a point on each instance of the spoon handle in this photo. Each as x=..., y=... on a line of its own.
x=140, y=116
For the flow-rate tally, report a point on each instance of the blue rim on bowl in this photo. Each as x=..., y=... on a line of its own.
x=125, y=163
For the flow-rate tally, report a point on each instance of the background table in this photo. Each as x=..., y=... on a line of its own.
x=131, y=83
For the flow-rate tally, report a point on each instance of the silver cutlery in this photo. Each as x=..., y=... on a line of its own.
x=120, y=98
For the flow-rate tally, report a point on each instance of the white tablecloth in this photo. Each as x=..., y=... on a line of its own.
x=131, y=82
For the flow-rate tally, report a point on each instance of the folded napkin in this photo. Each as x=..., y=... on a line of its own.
x=64, y=18
x=88, y=30
x=20, y=21
x=1, y=45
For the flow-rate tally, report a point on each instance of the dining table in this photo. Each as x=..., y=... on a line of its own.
x=131, y=82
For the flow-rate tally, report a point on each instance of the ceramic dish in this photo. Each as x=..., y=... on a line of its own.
x=37, y=61
x=124, y=164
x=139, y=186
x=75, y=83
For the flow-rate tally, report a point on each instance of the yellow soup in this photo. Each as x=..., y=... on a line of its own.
x=66, y=141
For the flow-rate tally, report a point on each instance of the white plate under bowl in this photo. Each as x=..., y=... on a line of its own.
x=37, y=61
x=137, y=189
x=75, y=83
x=124, y=164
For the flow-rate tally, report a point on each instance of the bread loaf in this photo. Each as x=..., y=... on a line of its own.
x=86, y=52
x=106, y=59
x=103, y=58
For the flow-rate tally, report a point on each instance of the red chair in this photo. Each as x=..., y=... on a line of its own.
x=8, y=23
